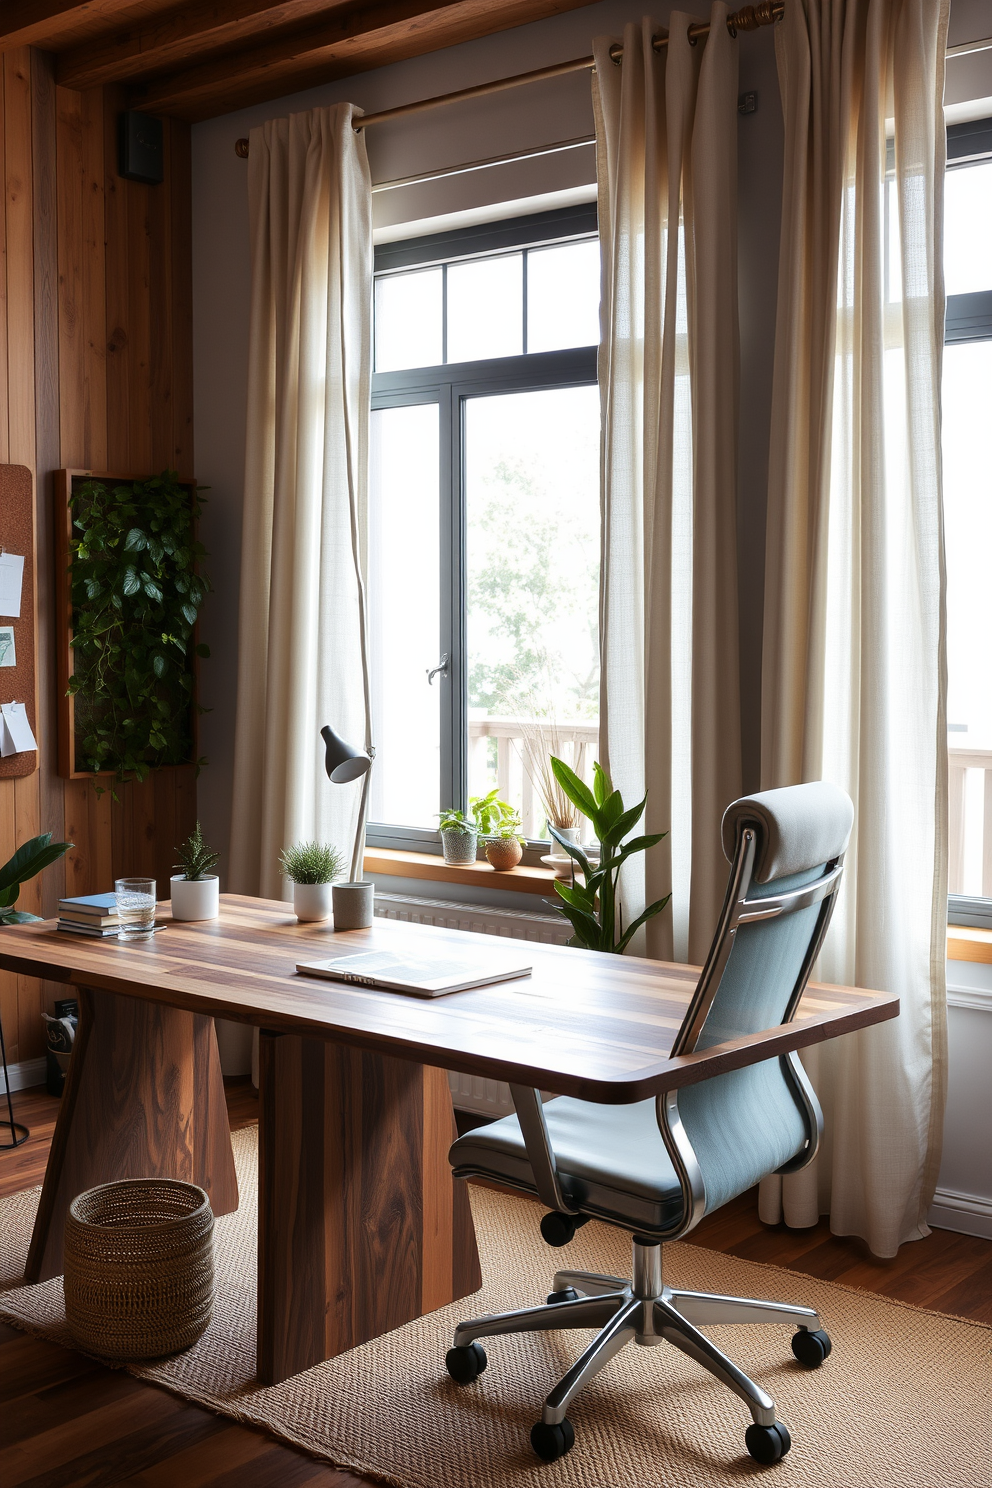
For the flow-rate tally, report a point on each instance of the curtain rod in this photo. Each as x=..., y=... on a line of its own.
x=750, y=18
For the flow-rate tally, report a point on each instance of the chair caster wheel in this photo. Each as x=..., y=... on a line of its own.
x=465, y=1362
x=811, y=1348
x=558, y=1229
x=568, y=1294
x=768, y=1444
x=552, y=1442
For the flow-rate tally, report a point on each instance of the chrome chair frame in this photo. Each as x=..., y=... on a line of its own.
x=644, y=1310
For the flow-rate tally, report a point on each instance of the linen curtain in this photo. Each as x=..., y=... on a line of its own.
x=666, y=127
x=854, y=674
x=302, y=658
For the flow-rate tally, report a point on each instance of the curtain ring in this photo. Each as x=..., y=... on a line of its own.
x=692, y=39
x=732, y=30
x=616, y=54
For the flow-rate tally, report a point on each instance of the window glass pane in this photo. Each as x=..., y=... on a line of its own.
x=968, y=228
x=408, y=320
x=563, y=296
x=485, y=308
x=532, y=488
x=404, y=609
x=967, y=435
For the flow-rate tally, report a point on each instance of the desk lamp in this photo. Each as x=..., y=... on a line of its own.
x=353, y=901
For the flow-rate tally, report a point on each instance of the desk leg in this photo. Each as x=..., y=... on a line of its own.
x=360, y=1224
x=144, y=1098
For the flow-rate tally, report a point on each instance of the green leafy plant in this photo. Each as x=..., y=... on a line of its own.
x=312, y=863
x=490, y=812
x=28, y=860
x=457, y=821
x=593, y=906
x=510, y=827
x=136, y=594
x=196, y=859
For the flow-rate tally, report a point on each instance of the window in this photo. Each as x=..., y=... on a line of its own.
x=484, y=517
x=967, y=449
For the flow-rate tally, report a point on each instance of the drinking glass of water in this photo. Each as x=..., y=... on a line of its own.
x=135, y=907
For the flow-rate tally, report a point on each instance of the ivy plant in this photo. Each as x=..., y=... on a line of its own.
x=136, y=593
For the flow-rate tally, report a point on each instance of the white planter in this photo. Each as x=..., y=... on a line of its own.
x=312, y=901
x=195, y=898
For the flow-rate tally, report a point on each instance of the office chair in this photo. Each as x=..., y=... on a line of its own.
x=656, y=1167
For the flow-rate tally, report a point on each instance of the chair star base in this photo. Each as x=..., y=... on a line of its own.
x=647, y=1312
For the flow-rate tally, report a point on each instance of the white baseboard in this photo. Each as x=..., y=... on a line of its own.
x=968, y=1214
x=22, y=1076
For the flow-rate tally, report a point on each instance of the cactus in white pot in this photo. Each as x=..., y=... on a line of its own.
x=195, y=889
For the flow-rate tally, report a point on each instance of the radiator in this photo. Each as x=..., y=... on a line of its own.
x=472, y=1092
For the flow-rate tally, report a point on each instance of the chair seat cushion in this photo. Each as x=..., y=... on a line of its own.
x=611, y=1158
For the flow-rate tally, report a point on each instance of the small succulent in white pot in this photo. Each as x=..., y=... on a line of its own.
x=312, y=867
x=195, y=889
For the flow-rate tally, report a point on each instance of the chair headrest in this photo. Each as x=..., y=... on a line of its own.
x=798, y=827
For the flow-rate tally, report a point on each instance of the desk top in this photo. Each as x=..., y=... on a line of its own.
x=585, y=1023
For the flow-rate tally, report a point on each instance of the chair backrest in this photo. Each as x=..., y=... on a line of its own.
x=786, y=849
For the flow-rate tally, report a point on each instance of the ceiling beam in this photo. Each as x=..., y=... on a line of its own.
x=351, y=40
x=45, y=23
x=176, y=36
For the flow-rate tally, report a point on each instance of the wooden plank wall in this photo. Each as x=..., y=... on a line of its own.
x=95, y=371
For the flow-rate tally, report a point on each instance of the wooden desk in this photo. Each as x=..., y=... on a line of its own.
x=361, y=1227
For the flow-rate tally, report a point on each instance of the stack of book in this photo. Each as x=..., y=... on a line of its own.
x=90, y=914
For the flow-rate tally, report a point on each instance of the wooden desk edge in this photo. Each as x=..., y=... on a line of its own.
x=666, y=1074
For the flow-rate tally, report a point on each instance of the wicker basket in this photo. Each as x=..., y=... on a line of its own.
x=139, y=1267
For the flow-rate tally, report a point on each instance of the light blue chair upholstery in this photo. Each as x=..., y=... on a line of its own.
x=656, y=1167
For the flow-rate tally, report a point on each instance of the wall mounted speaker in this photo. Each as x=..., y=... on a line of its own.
x=139, y=148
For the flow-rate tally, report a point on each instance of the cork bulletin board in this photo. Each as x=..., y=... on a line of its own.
x=18, y=684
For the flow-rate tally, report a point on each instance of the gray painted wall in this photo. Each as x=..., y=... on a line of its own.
x=515, y=120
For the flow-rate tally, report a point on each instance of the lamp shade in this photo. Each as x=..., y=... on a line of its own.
x=341, y=762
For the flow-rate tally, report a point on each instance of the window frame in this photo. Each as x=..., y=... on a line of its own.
x=450, y=385
x=968, y=317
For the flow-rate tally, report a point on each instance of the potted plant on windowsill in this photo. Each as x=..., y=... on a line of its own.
x=506, y=847
x=459, y=838
x=313, y=867
x=490, y=813
x=195, y=890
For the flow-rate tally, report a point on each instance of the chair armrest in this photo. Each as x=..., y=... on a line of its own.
x=534, y=1129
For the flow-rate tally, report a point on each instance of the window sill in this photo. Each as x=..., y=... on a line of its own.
x=969, y=943
x=964, y=942
x=522, y=880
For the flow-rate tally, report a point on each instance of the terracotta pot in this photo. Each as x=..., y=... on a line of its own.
x=504, y=852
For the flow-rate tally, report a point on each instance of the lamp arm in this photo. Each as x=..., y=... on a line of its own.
x=357, y=866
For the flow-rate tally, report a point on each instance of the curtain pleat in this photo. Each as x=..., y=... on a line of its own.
x=666, y=126
x=302, y=623
x=854, y=678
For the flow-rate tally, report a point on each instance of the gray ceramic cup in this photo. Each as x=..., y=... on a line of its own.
x=353, y=905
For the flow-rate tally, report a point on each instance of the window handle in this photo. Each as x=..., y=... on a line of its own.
x=441, y=667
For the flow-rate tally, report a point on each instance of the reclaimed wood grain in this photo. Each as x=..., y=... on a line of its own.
x=586, y=1024
x=79, y=290
x=144, y=1097
x=361, y=1225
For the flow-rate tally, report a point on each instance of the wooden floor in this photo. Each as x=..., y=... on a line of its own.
x=65, y=1420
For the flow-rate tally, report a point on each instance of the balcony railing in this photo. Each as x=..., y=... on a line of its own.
x=969, y=813
x=577, y=742
x=969, y=807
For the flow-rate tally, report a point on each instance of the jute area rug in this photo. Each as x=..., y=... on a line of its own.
x=902, y=1402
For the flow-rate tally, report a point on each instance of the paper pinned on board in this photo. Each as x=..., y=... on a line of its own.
x=11, y=580
x=8, y=651
x=16, y=734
